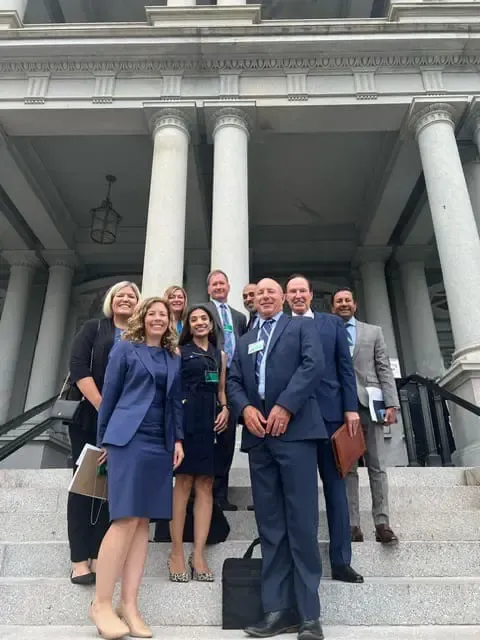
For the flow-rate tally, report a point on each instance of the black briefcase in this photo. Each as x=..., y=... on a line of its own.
x=241, y=590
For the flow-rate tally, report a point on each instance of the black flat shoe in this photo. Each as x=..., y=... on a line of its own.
x=310, y=630
x=345, y=573
x=275, y=623
x=85, y=580
x=225, y=505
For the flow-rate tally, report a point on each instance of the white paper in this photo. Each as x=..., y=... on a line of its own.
x=376, y=404
x=395, y=366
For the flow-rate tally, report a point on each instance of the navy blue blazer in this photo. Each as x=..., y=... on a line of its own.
x=337, y=390
x=294, y=365
x=128, y=392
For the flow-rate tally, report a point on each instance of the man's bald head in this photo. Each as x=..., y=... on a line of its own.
x=269, y=298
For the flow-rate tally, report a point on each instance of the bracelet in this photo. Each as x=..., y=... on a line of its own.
x=225, y=406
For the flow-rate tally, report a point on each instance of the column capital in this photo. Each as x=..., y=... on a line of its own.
x=66, y=259
x=412, y=253
x=366, y=255
x=170, y=117
x=236, y=113
x=19, y=258
x=231, y=117
x=438, y=112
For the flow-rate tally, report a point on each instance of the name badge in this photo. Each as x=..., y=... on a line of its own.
x=211, y=376
x=255, y=347
x=228, y=328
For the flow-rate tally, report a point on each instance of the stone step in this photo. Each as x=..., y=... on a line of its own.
x=422, y=498
x=428, y=559
x=409, y=525
x=215, y=633
x=380, y=601
x=397, y=476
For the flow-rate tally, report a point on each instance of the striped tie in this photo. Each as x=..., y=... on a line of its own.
x=265, y=332
x=228, y=345
x=351, y=344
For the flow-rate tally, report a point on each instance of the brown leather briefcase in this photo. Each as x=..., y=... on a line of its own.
x=347, y=450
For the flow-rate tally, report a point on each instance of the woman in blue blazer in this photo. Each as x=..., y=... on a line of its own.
x=140, y=429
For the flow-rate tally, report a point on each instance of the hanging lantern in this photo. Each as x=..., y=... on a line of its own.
x=105, y=219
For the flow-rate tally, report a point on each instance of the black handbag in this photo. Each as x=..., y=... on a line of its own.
x=218, y=532
x=241, y=590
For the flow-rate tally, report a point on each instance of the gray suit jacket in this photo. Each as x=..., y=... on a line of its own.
x=372, y=365
x=239, y=323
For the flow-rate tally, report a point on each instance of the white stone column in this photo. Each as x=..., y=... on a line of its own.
x=458, y=245
x=453, y=220
x=12, y=13
x=423, y=332
x=181, y=3
x=165, y=239
x=230, y=243
x=48, y=351
x=196, y=282
x=12, y=322
x=371, y=262
x=472, y=177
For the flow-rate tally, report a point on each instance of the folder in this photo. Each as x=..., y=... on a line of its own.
x=85, y=481
x=347, y=450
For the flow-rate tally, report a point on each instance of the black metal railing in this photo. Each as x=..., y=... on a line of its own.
x=428, y=434
x=31, y=433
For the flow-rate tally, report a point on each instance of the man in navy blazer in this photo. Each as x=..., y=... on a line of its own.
x=337, y=396
x=271, y=388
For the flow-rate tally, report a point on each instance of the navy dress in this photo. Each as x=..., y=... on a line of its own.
x=140, y=474
x=199, y=391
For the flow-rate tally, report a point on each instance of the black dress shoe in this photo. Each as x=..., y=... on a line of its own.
x=250, y=507
x=85, y=580
x=310, y=630
x=345, y=573
x=225, y=505
x=275, y=623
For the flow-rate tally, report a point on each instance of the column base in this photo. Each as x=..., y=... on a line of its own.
x=463, y=379
x=10, y=20
x=200, y=16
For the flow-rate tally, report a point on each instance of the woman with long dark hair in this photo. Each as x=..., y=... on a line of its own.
x=205, y=415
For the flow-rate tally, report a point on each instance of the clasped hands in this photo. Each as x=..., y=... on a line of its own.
x=275, y=425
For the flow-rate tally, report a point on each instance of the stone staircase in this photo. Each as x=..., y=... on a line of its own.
x=427, y=587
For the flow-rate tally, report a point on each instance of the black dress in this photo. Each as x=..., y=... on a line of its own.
x=200, y=376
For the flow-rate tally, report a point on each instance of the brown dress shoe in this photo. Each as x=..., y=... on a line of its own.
x=356, y=534
x=385, y=535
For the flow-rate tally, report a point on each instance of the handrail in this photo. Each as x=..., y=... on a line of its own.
x=27, y=415
x=432, y=384
x=23, y=438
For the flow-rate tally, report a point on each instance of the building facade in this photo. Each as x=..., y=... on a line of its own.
x=339, y=138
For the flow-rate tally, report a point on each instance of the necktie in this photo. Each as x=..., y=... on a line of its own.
x=265, y=332
x=351, y=344
x=251, y=322
x=228, y=346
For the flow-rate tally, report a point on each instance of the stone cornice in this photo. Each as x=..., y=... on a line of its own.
x=246, y=64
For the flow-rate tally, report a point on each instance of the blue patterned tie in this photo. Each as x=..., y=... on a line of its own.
x=265, y=332
x=228, y=346
x=351, y=344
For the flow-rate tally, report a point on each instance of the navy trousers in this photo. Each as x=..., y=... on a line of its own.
x=285, y=494
x=335, y=493
x=223, y=457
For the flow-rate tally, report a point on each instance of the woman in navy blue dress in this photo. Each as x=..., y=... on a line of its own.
x=205, y=415
x=140, y=428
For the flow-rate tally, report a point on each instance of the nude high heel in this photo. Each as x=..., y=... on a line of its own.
x=108, y=624
x=137, y=627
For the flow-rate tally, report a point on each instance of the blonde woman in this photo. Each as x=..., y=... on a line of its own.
x=140, y=428
x=178, y=302
x=88, y=362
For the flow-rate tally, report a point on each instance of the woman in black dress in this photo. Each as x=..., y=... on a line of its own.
x=205, y=415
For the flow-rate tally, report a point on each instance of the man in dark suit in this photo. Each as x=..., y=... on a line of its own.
x=230, y=324
x=337, y=397
x=248, y=295
x=271, y=386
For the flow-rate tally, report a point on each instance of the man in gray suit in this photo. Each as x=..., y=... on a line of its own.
x=230, y=325
x=372, y=368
